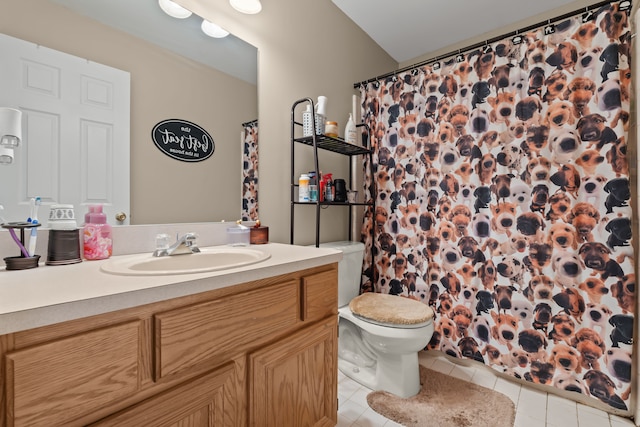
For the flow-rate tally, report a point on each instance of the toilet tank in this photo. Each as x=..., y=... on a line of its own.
x=349, y=269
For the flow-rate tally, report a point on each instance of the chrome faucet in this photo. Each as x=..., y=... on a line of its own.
x=183, y=245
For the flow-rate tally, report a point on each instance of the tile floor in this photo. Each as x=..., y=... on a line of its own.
x=353, y=410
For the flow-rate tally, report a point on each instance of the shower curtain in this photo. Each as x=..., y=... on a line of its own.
x=250, y=171
x=502, y=200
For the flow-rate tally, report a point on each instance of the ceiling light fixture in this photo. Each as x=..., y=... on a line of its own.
x=173, y=9
x=213, y=30
x=250, y=7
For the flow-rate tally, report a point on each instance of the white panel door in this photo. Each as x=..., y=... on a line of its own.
x=75, y=147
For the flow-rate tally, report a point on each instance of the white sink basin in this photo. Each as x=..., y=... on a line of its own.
x=209, y=259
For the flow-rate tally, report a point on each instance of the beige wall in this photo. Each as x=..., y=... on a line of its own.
x=163, y=86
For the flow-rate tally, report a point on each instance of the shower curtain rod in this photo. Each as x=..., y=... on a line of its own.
x=487, y=42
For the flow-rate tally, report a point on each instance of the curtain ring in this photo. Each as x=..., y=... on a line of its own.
x=549, y=29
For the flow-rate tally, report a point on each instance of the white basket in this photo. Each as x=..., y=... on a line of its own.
x=307, y=126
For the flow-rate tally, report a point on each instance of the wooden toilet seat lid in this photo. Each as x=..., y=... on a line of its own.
x=391, y=309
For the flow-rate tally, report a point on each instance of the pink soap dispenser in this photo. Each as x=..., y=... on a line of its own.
x=96, y=234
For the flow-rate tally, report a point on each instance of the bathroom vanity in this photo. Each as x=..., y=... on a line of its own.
x=254, y=346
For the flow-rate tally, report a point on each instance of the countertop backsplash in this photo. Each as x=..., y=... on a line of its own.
x=128, y=239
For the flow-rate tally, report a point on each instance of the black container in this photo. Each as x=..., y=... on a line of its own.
x=64, y=247
x=21, y=263
x=340, y=190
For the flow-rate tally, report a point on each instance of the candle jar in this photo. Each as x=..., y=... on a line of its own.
x=331, y=129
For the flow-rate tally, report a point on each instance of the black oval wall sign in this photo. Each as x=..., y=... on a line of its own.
x=183, y=140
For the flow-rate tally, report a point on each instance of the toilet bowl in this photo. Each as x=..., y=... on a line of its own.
x=379, y=335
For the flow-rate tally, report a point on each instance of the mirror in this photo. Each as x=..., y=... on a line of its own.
x=210, y=82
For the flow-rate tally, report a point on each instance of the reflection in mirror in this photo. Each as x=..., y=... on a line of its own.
x=250, y=172
x=146, y=20
x=168, y=82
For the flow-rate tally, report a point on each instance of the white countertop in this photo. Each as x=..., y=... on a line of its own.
x=52, y=294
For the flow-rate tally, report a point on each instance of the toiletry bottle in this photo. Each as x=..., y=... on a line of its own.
x=328, y=187
x=303, y=188
x=322, y=183
x=321, y=106
x=350, y=134
x=313, y=187
x=329, y=191
x=96, y=235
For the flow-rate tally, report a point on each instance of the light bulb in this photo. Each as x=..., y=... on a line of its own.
x=250, y=7
x=213, y=30
x=173, y=9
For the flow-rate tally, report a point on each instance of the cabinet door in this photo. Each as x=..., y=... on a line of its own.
x=54, y=383
x=293, y=382
x=211, y=400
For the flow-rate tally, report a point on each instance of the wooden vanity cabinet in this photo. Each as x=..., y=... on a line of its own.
x=262, y=353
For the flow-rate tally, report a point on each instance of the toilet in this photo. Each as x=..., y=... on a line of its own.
x=380, y=335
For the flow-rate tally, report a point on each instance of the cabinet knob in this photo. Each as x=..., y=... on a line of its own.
x=121, y=216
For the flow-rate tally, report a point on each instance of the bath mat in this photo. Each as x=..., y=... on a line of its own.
x=445, y=401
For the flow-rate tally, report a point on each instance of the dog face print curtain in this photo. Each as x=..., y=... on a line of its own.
x=502, y=200
x=250, y=172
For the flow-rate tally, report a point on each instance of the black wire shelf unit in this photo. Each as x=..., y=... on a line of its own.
x=323, y=142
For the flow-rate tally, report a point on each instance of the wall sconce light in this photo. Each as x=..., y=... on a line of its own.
x=173, y=9
x=10, y=133
x=213, y=30
x=250, y=7
x=10, y=127
x=6, y=155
